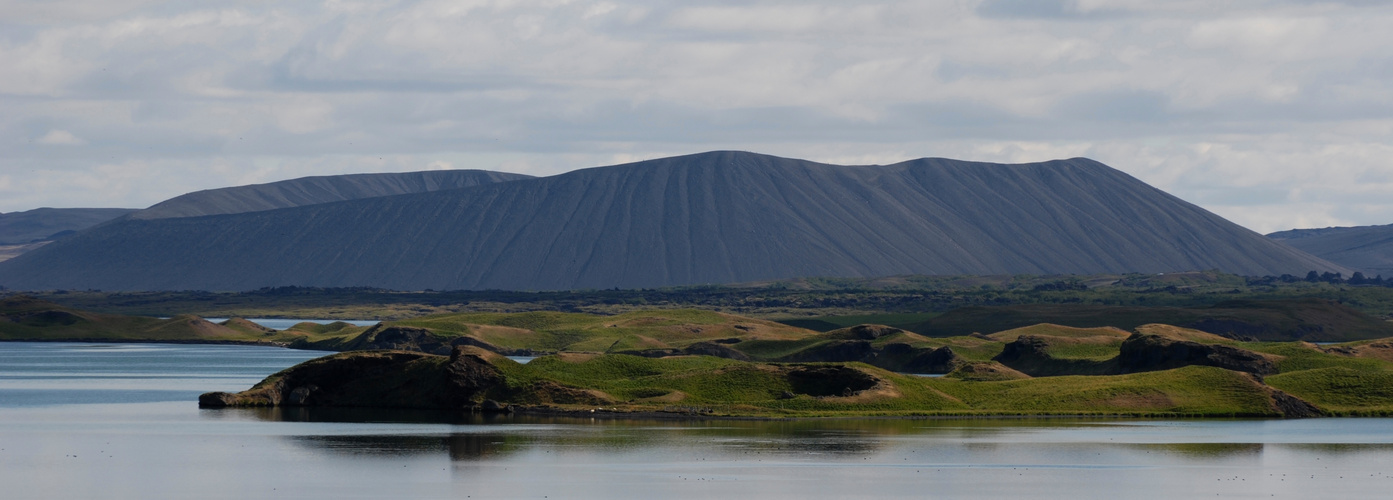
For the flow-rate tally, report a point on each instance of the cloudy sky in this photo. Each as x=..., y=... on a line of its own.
x=1275, y=114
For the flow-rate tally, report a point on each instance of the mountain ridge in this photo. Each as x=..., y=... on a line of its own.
x=1365, y=248
x=717, y=217
x=315, y=190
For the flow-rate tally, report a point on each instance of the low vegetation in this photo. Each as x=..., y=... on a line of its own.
x=821, y=304
x=695, y=362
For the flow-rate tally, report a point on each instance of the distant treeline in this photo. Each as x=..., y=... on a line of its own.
x=1357, y=278
x=788, y=298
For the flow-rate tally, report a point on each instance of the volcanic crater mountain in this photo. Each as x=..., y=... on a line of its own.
x=718, y=217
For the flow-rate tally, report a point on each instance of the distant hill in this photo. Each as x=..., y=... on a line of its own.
x=719, y=217
x=22, y=232
x=316, y=190
x=43, y=224
x=1365, y=248
x=1311, y=320
x=26, y=318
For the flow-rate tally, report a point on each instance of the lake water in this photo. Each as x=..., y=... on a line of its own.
x=282, y=323
x=120, y=421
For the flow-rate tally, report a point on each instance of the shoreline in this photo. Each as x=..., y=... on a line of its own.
x=99, y=340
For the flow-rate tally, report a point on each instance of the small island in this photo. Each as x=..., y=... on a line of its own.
x=700, y=364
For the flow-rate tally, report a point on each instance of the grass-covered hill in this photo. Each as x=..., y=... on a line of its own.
x=1308, y=319
x=24, y=318
x=1303, y=380
x=698, y=362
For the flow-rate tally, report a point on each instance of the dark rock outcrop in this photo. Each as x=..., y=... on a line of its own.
x=830, y=380
x=908, y=359
x=1139, y=353
x=1293, y=407
x=1030, y=354
x=896, y=357
x=1142, y=353
x=392, y=379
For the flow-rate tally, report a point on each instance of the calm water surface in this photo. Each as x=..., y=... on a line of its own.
x=120, y=421
x=282, y=323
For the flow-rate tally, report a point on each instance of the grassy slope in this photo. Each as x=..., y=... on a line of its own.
x=1303, y=319
x=22, y=318
x=1339, y=384
x=730, y=387
x=555, y=331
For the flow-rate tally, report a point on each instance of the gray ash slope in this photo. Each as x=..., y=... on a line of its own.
x=1363, y=248
x=719, y=217
x=317, y=190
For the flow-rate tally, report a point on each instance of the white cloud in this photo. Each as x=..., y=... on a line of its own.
x=60, y=138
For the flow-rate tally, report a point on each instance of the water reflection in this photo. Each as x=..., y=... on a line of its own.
x=1206, y=451
x=103, y=445
x=466, y=436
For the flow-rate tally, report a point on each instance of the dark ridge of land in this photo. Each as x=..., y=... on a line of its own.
x=818, y=304
x=25, y=231
x=317, y=190
x=710, y=218
x=1311, y=320
x=1368, y=249
x=45, y=224
x=29, y=319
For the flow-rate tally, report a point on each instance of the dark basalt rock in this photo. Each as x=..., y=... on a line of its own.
x=1141, y=353
x=1030, y=355
x=403, y=338
x=908, y=359
x=217, y=400
x=470, y=374
x=394, y=379
x=830, y=380
x=1293, y=407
